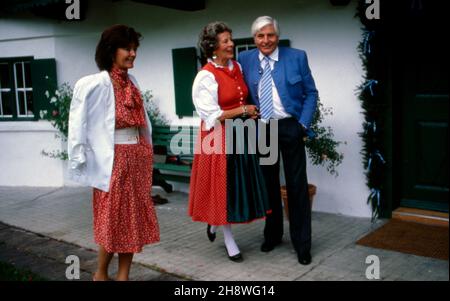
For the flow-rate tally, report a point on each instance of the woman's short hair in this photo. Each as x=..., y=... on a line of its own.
x=114, y=37
x=207, y=40
x=260, y=22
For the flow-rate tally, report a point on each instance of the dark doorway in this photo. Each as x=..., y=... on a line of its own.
x=421, y=105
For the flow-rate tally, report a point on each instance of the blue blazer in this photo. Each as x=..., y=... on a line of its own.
x=292, y=78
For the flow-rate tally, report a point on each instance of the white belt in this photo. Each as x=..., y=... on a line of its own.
x=126, y=136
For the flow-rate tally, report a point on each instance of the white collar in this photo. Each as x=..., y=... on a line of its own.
x=273, y=55
x=230, y=64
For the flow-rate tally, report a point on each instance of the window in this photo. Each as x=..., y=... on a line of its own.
x=23, y=82
x=243, y=45
x=23, y=90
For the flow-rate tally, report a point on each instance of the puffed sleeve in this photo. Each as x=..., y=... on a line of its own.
x=205, y=98
x=76, y=140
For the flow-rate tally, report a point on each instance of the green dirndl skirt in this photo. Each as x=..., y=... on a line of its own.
x=247, y=197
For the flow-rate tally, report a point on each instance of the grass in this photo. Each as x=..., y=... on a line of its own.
x=9, y=272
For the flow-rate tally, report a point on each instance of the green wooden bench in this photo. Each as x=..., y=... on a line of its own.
x=173, y=162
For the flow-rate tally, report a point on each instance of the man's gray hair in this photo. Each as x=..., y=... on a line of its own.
x=260, y=22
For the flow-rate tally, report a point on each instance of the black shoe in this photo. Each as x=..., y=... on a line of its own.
x=236, y=258
x=304, y=258
x=268, y=246
x=211, y=236
x=158, y=200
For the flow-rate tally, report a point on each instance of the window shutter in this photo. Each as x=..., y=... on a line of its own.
x=43, y=78
x=184, y=71
x=285, y=43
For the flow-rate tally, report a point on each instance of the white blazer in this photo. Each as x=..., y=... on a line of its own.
x=91, y=131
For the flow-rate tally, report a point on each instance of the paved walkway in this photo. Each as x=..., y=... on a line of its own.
x=53, y=223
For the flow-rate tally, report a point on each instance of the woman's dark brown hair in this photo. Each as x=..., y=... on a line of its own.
x=207, y=40
x=114, y=37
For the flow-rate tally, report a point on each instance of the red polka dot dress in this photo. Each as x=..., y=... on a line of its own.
x=226, y=188
x=125, y=218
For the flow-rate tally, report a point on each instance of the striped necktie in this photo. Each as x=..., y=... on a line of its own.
x=265, y=98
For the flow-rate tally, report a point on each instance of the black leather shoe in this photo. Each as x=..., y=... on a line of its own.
x=236, y=258
x=211, y=236
x=304, y=258
x=268, y=246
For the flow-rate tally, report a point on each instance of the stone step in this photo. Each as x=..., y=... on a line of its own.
x=428, y=217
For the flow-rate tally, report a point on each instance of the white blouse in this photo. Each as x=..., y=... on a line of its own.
x=205, y=95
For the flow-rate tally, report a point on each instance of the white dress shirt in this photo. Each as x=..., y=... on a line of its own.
x=278, y=110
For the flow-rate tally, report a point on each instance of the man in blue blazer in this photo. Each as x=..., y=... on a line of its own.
x=281, y=85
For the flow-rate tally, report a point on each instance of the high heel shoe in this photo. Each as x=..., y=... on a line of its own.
x=236, y=258
x=211, y=236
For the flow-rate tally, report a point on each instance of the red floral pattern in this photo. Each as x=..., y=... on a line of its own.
x=130, y=110
x=125, y=218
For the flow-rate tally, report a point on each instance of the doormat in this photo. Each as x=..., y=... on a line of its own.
x=410, y=238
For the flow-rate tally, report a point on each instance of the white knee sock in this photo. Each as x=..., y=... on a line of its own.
x=230, y=244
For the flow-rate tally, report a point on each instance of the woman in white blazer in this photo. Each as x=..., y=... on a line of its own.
x=109, y=146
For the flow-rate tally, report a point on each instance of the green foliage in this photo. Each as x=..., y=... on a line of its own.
x=374, y=101
x=56, y=154
x=322, y=149
x=60, y=104
x=153, y=111
x=58, y=115
x=9, y=272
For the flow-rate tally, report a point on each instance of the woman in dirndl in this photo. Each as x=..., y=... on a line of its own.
x=227, y=187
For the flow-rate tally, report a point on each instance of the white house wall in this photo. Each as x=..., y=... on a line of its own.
x=21, y=161
x=21, y=143
x=329, y=34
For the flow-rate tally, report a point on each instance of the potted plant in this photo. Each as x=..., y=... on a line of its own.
x=321, y=148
